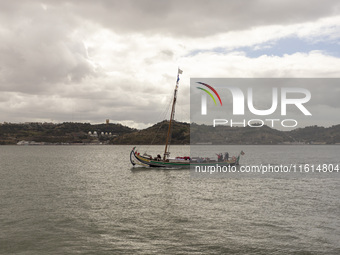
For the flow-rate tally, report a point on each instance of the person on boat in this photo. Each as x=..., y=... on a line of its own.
x=226, y=156
x=159, y=157
x=219, y=157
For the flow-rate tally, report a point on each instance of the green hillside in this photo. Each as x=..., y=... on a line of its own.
x=67, y=132
x=78, y=133
x=157, y=134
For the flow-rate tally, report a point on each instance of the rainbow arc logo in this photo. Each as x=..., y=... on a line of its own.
x=209, y=93
x=204, y=98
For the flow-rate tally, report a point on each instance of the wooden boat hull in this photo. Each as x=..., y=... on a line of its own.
x=135, y=158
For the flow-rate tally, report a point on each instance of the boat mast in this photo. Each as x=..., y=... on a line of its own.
x=166, y=152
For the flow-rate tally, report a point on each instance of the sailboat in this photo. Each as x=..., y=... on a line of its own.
x=178, y=162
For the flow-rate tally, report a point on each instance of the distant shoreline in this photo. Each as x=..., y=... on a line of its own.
x=182, y=134
x=33, y=145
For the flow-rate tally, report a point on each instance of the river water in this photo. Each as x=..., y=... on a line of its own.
x=89, y=200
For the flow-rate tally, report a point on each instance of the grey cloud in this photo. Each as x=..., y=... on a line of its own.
x=38, y=49
x=200, y=17
x=179, y=17
x=46, y=73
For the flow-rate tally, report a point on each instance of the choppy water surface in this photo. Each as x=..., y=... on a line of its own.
x=89, y=200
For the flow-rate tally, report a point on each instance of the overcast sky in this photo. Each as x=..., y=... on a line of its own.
x=87, y=61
